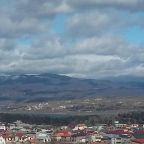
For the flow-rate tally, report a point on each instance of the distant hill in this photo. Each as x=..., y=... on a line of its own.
x=51, y=86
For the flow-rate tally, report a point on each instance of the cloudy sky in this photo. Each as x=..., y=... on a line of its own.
x=81, y=38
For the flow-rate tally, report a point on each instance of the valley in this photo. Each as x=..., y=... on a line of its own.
x=53, y=93
x=86, y=105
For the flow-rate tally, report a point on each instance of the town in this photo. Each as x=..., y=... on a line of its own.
x=80, y=133
x=107, y=104
x=71, y=71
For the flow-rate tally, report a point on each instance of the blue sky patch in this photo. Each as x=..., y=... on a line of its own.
x=135, y=34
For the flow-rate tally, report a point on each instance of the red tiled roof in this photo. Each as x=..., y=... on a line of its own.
x=118, y=132
x=63, y=133
x=89, y=130
x=141, y=140
x=7, y=135
x=19, y=134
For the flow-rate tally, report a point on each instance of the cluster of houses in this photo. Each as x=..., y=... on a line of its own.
x=20, y=133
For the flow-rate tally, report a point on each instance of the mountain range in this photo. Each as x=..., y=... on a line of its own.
x=41, y=87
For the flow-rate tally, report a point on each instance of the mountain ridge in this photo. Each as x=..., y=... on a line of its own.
x=35, y=86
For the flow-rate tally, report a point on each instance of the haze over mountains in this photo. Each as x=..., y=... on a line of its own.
x=47, y=86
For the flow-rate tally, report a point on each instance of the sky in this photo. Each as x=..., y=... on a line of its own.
x=79, y=38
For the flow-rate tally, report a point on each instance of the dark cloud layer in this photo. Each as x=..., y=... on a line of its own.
x=128, y=5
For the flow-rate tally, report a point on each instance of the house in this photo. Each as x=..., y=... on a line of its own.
x=83, y=140
x=12, y=126
x=43, y=137
x=29, y=139
x=134, y=125
x=116, y=140
x=62, y=134
x=119, y=131
x=113, y=138
x=8, y=136
x=138, y=141
x=2, y=127
x=79, y=127
x=19, y=136
x=95, y=138
x=99, y=127
x=89, y=131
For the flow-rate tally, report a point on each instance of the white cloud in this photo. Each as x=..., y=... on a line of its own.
x=92, y=44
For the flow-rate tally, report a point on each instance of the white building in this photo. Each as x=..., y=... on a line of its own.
x=2, y=140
